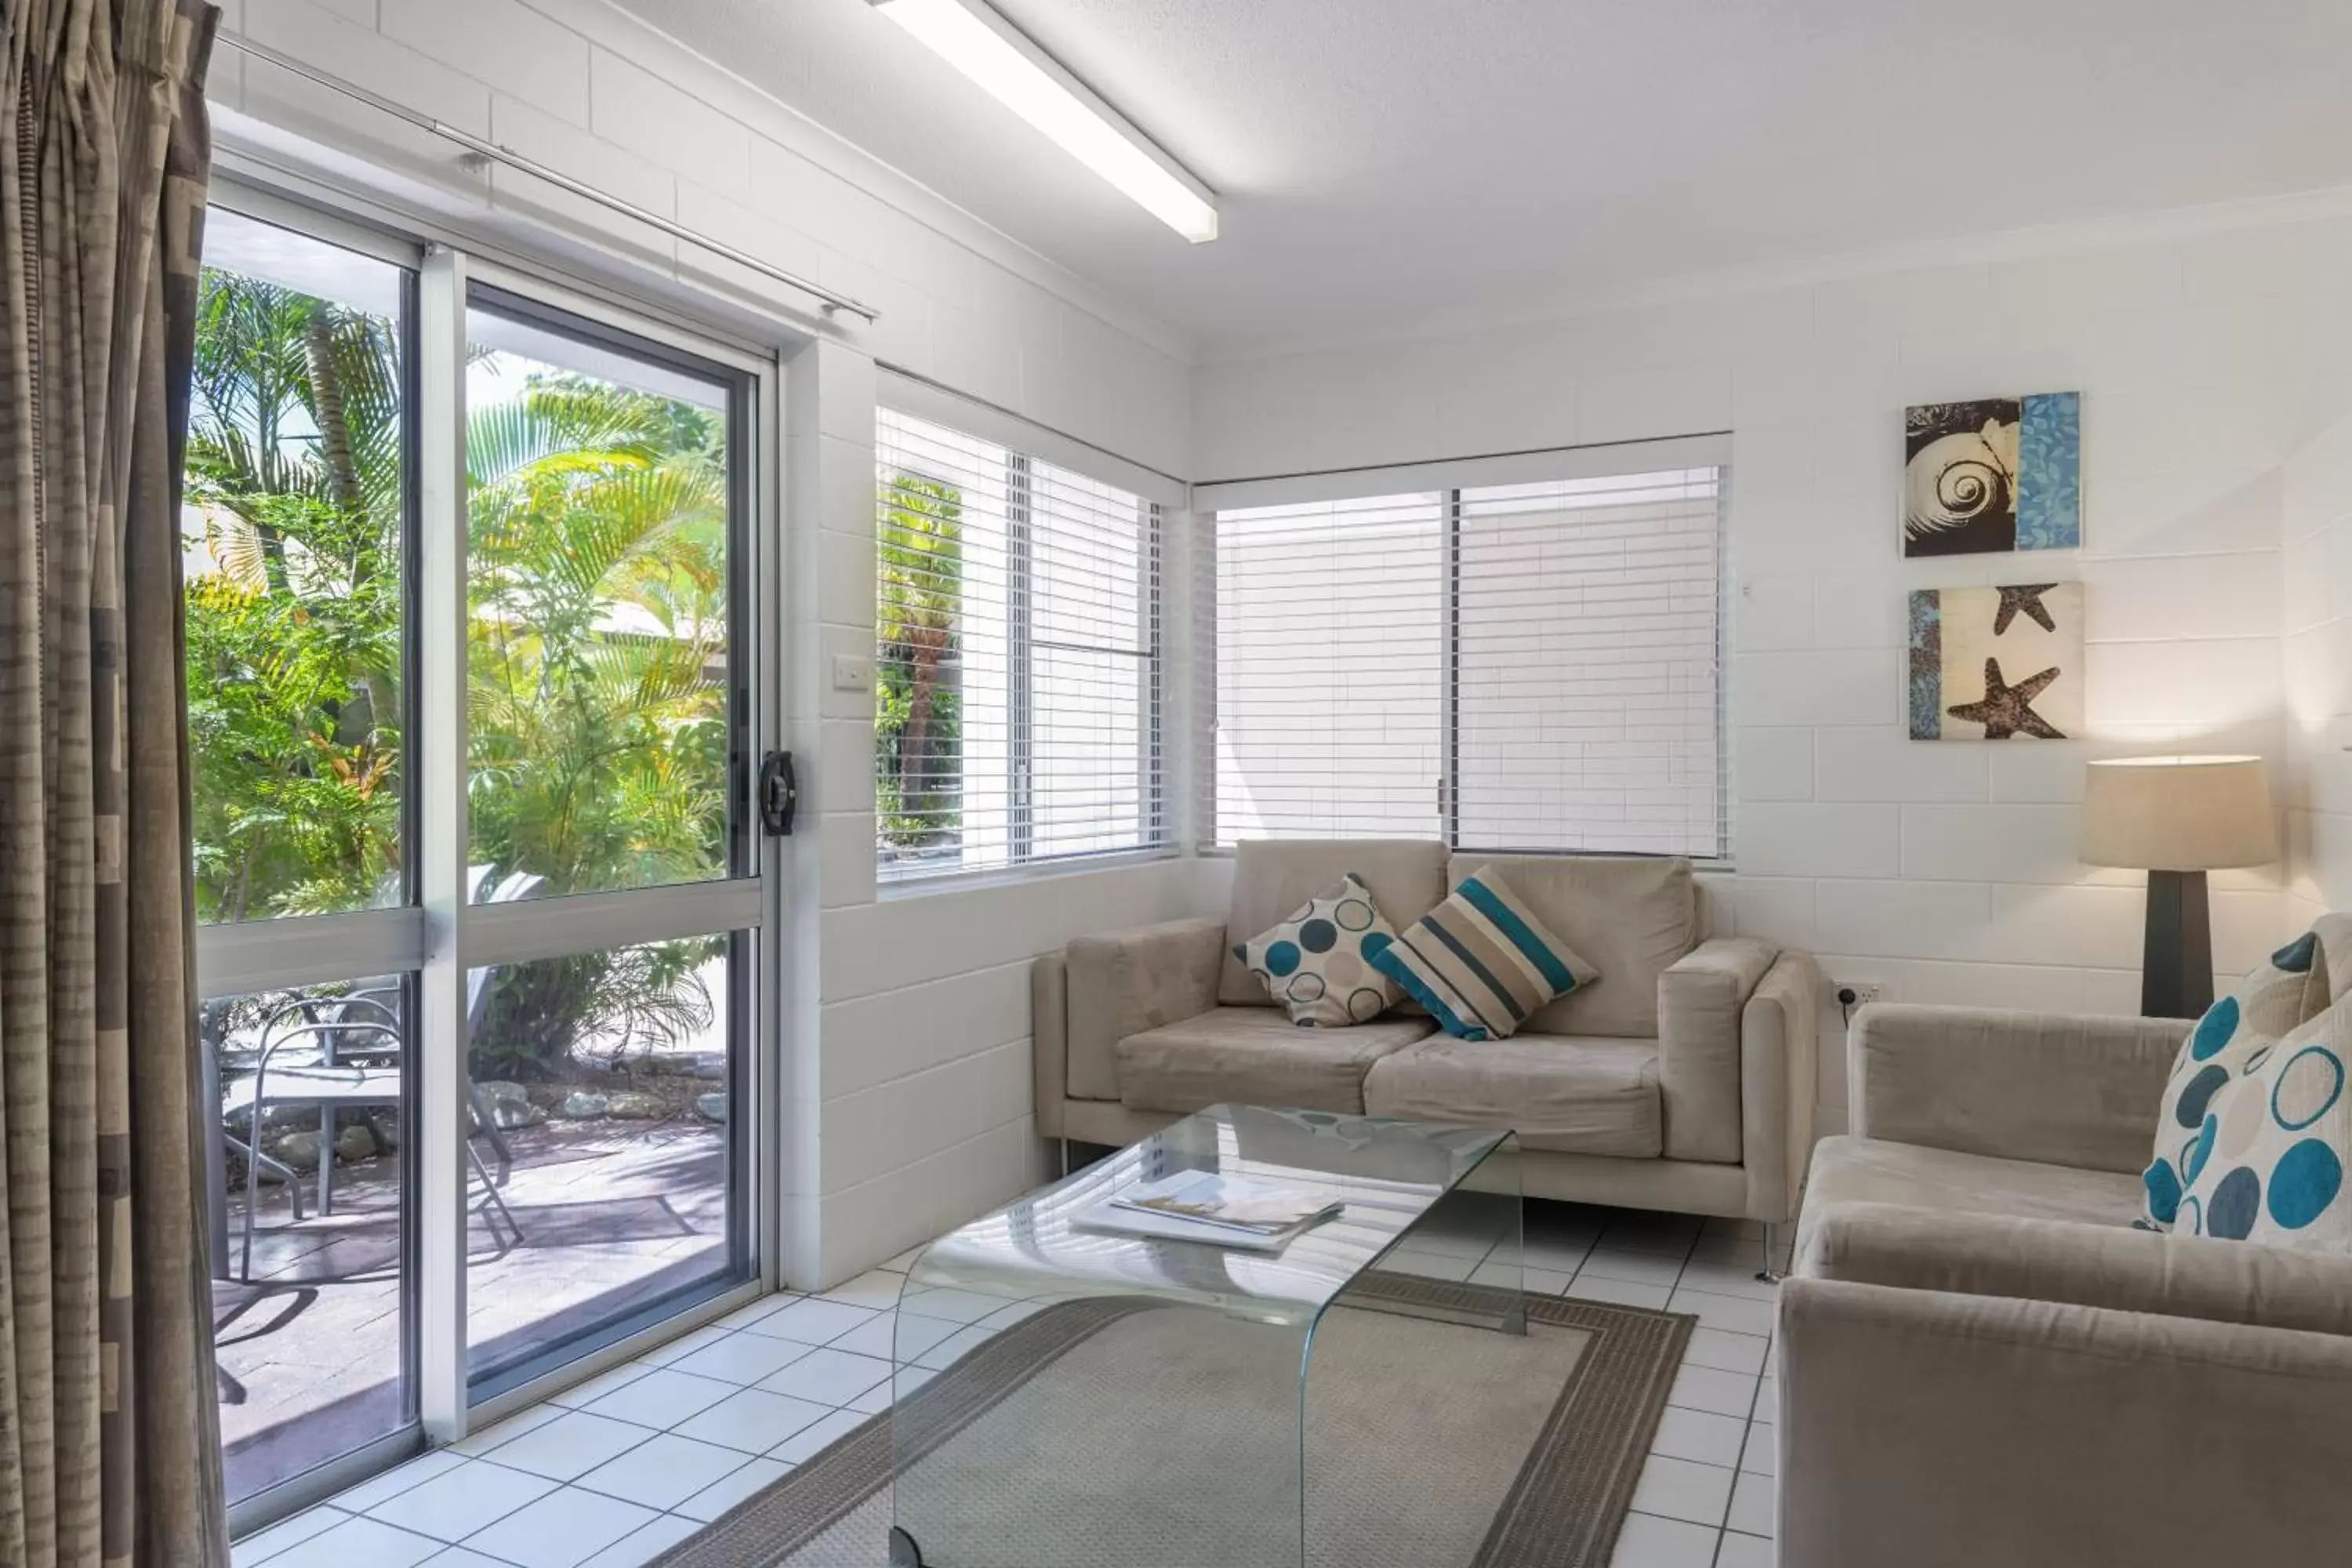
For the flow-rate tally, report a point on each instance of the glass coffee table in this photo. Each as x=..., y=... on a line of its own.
x=1070, y=1396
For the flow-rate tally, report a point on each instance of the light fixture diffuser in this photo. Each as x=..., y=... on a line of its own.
x=983, y=44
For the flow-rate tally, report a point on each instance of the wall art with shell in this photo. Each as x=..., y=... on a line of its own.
x=1992, y=475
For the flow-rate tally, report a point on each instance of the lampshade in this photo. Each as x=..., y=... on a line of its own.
x=2178, y=814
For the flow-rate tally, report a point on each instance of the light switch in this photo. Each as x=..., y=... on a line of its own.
x=851, y=673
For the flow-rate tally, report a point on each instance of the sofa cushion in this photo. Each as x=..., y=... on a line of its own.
x=1481, y=963
x=1273, y=877
x=1579, y=1096
x=2267, y=1162
x=1255, y=1055
x=1317, y=962
x=1630, y=917
x=2237, y=1034
x=1875, y=1171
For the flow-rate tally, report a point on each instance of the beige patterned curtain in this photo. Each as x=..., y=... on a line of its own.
x=108, y=1440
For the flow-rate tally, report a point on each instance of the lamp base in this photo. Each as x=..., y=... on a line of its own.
x=2177, y=964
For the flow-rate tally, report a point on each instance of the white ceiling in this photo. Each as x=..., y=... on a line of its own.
x=1379, y=159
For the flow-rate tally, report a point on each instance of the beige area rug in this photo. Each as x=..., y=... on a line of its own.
x=1116, y=1431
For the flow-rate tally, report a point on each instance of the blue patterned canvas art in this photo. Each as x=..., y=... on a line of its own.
x=1993, y=475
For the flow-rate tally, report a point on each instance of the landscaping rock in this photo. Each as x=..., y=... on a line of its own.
x=356, y=1141
x=510, y=1104
x=635, y=1105
x=711, y=1106
x=300, y=1150
x=584, y=1105
x=709, y=1065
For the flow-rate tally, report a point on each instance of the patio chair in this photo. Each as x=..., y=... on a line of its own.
x=347, y=1053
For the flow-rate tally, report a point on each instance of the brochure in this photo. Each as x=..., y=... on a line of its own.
x=1222, y=1210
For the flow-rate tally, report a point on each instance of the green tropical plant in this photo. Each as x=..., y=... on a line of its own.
x=294, y=655
x=596, y=642
x=595, y=684
x=918, y=708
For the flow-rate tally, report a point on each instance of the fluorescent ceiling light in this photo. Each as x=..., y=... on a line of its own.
x=1024, y=78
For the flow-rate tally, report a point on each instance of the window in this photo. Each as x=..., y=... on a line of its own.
x=1017, y=656
x=1525, y=665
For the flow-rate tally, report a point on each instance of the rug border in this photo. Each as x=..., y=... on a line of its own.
x=1543, y=1524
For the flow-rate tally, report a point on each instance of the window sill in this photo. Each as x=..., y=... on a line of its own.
x=887, y=890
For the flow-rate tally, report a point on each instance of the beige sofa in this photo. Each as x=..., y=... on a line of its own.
x=1980, y=1361
x=1683, y=1080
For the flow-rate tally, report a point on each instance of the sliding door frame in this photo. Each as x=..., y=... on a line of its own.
x=436, y=937
x=744, y=898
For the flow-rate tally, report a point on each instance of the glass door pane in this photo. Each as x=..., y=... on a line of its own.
x=601, y=1193
x=600, y=562
x=294, y=534
x=609, y=739
x=310, y=1313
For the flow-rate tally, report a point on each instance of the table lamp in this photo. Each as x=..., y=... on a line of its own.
x=2178, y=818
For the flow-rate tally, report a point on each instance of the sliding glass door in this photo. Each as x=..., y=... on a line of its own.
x=607, y=699
x=476, y=605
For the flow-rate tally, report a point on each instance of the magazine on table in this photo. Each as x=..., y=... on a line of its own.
x=1223, y=1211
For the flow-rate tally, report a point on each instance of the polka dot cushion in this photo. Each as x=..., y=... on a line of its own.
x=1318, y=963
x=2268, y=1164
x=2239, y=1036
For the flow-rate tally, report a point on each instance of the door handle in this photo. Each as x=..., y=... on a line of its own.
x=778, y=793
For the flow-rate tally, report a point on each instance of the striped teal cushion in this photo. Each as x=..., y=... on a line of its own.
x=1481, y=962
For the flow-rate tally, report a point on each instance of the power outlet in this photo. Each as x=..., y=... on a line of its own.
x=1853, y=994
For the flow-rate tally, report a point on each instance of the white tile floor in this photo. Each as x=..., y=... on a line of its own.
x=610, y=1473
x=1705, y=1498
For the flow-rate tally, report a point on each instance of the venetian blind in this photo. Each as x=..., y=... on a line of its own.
x=1530, y=665
x=1017, y=688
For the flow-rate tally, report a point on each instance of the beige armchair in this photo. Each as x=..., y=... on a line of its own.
x=1684, y=1080
x=1981, y=1362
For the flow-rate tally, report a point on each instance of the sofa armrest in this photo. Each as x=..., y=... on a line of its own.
x=1123, y=982
x=2115, y=1266
x=1700, y=998
x=1779, y=1054
x=2062, y=1090
x=1951, y=1431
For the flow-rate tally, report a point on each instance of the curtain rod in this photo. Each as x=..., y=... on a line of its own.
x=833, y=301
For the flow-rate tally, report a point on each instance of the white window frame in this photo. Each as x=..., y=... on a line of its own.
x=1448, y=479
x=1160, y=499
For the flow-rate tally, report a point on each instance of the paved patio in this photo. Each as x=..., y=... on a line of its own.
x=611, y=1214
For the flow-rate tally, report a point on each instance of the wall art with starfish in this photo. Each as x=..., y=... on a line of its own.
x=1997, y=664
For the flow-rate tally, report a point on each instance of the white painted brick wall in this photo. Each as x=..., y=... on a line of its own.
x=2218, y=564
x=2317, y=622
x=2218, y=432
